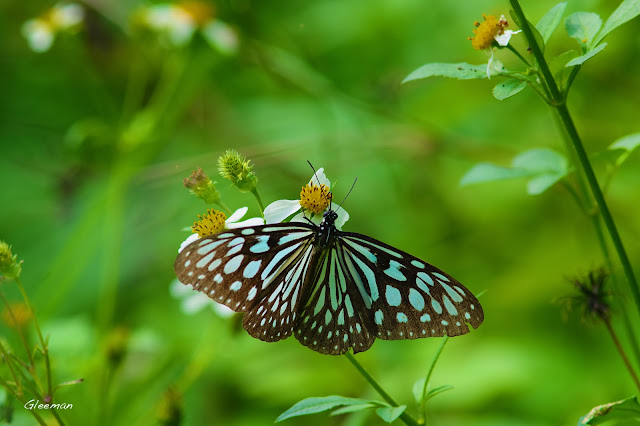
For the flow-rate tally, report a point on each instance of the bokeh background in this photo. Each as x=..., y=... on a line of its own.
x=97, y=133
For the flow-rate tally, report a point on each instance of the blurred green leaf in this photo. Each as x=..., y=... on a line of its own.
x=351, y=409
x=627, y=144
x=319, y=404
x=487, y=172
x=508, y=88
x=417, y=389
x=461, y=71
x=390, y=414
x=627, y=10
x=435, y=391
x=621, y=413
x=581, y=59
x=583, y=26
x=549, y=22
x=547, y=167
x=540, y=160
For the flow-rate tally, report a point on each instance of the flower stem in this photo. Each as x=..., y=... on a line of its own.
x=18, y=329
x=45, y=349
x=407, y=419
x=20, y=398
x=254, y=191
x=7, y=360
x=559, y=103
x=621, y=352
x=423, y=402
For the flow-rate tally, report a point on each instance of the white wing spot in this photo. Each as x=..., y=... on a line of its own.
x=394, y=271
x=416, y=299
x=466, y=315
x=235, y=286
x=393, y=296
x=252, y=294
x=327, y=317
x=214, y=264
x=247, y=231
x=261, y=246
x=251, y=269
x=378, y=317
x=187, y=263
x=218, y=278
x=440, y=276
x=329, y=334
x=417, y=264
x=472, y=307
x=425, y=318
x=205, y=260
x=226, y=235
x=233, y=264
x=426, y=278
x=201, y=276
x=401, y=317
x=436, y=306
x=444, y=322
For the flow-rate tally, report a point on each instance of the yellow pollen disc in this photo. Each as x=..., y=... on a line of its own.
x=315, y=198
x=486, y=31
x=210, y=223
x=199, y=11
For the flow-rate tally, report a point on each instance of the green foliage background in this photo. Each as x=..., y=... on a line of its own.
x=316, y=81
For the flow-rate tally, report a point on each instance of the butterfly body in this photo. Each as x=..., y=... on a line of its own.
x=333, y=290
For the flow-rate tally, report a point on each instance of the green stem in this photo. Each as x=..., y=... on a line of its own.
x=20, y=398
x=621, y=352
x=515, y=52
x=563, y=113
x=7, y=360
x=19, y=330
x=407, y=419
x=45, y=349
x=423, y=402
x=254, y=191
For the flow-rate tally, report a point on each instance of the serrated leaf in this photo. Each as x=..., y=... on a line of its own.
x=627, y=10
x=508, y=88
x=541, y=183
x=621, y=413
x=487, y=172
x=461, y=71
x=351, y=409
x=540, y=160
x=583, y=26
x=319, y=404
x=590, y=54
x=549, y=22
x=435, y=391
x=390, y=414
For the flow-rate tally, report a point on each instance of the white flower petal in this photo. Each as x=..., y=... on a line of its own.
x=195, y=303
x=177, y=289
x=254, y=221
x=503, y=39
x=221, y=37
x=68, y=15
x=237, y=215
x=191, y=238
x=320, y=178
x=343, y=217
x=279, y=210
x=300, y=217
x=222, y=310
x=38, y=34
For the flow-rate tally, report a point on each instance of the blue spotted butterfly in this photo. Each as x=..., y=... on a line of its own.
x=333, y=290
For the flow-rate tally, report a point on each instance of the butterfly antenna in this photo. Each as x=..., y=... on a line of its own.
x=314, y=172
x=345, y=197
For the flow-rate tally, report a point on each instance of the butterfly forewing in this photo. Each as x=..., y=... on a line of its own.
x=409, y=298
x=258, y=270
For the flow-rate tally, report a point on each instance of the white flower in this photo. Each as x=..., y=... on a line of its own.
x=180, y=21
x=192, y=302
x=279, y=210
x=41, y=32
x=503, y=39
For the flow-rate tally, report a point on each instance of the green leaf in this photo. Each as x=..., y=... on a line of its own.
x=628, y=144
x=461, y=71
x=487, y=172
x=508, y=88
x=550, y=21
x=351, y=408
x=435, y=391
x=536, y=34
x=389, y=414
x=541, y=183
x=540, y=160
x=583, y=26
x=627, y=10
x=590, y=54
x=319, y=404
x=626, y=412
x=418, y=386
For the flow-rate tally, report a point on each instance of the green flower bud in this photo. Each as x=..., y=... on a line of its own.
x=9, y=265
x=237, y=169
x=202, y=187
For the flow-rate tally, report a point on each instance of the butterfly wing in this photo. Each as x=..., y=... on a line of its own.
x=258, y=270
x=408, y=297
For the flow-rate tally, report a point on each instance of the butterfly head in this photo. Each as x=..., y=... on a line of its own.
x=330, y=216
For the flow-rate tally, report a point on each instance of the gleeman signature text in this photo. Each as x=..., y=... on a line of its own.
x=35, y=404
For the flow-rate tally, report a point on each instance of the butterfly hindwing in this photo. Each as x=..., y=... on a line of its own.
x=258, y=270
x=409, y=298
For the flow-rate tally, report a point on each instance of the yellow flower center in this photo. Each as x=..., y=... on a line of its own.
x=486, y=32
x=210, y=223
x=199, y=11
x=315, y=198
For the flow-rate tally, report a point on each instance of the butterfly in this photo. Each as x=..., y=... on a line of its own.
x=333, y=290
